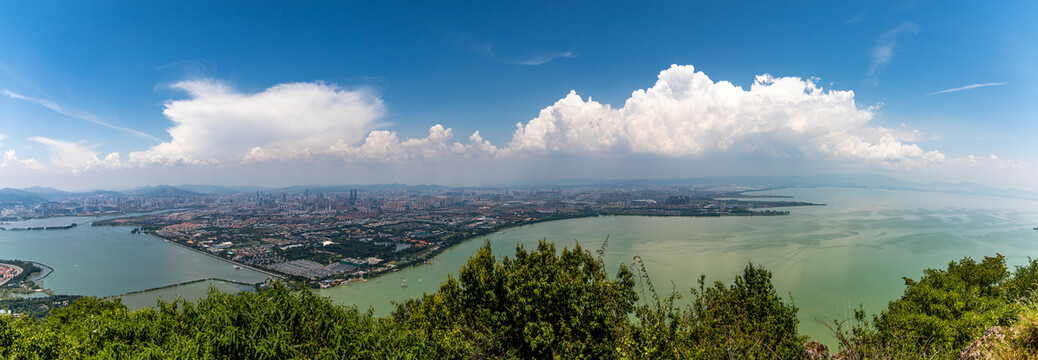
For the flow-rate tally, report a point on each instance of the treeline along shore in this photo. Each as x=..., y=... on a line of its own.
x=37, y=228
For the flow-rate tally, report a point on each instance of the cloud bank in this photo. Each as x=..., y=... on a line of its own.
x=686, y=114
x=218, y=124
x=385, y=146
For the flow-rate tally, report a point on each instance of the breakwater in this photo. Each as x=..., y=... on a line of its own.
x=39, y=228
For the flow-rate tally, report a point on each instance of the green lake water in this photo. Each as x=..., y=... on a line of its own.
x=831, y=259
x=191, y=292
x=105, y=261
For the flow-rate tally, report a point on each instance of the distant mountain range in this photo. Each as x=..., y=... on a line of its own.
x=36, y=194
x=13, y=197
x=163, y=191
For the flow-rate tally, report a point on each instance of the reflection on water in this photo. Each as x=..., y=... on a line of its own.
x=829, y=258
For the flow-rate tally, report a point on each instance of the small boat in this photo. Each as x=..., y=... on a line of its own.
x=236, y=267
x=1036, y=227
x=403, y=285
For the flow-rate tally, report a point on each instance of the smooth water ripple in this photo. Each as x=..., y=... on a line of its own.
x=831, y=259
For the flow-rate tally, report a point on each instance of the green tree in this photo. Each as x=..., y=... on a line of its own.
x=539, y=304
x=746, y=320
x=939, y=314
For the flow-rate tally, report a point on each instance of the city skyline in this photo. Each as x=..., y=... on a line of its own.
x=115, y=96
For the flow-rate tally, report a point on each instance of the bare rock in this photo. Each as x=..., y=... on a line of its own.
x=814, y=350
x=975, y=350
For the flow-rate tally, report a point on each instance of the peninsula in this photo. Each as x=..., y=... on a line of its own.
x=327, y=238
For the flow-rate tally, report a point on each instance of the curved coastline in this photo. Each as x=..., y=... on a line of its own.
x=109, y=216
x=44, y=272
x=18, y=271
x=216, y=257
x=482, y=233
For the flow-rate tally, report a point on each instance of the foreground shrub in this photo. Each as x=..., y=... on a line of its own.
x=538, y=304
x=271, y=324
x=746, y=320
x=938, y=316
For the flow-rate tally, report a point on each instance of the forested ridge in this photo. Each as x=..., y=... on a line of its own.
x=546, y=303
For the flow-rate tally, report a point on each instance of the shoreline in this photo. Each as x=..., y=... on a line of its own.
x=44, y=270
x=18, y=271
x=772, y=210
x=96, y=217
x=440, y=248
x=216, y=257
x=179, y=284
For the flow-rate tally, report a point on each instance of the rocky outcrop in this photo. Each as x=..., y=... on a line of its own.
x=976, y=350
x=814, y=350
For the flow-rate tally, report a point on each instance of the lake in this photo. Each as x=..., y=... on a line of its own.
x=854, y=250
x=190, y=292
x=105, y=261
x=831, y=259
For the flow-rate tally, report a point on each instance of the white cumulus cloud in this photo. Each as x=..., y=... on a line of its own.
x=76, y=157
x=384, y=145
x=218, y=124
x=686, y=114
x=11, y=161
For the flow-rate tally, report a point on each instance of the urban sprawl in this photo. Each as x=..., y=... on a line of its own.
x=329, y=238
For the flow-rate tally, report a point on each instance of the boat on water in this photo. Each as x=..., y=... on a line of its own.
x=1036, y=227
x=403, y=285
x=237, y=267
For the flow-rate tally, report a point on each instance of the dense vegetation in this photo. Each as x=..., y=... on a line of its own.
x=545, y=303
x=37, y=307
x=28, y=268
x=946, y=310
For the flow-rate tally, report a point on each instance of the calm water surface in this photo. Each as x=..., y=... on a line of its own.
x=105, y=261
x=829, y=258
x=191, y=292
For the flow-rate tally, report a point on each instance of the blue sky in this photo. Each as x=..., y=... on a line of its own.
x=118, y=94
